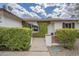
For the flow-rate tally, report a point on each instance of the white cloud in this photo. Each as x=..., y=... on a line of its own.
x=17, y=10
x=20, y=11
x=45, y=5
x=35, y=15
x=38, y=9
x=62, y=11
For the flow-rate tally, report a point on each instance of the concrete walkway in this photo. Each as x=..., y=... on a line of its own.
x=38, y=44
x=38, y=48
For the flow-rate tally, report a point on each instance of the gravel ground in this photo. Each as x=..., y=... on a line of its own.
x=23, y=53
x=66, y=52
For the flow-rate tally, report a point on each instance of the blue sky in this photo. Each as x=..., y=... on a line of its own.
x=1, y=5
x=45, y=10
x=28, y=5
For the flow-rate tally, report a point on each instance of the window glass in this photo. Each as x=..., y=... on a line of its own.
x=73, y=25
x=35, y=28
x=68, y=25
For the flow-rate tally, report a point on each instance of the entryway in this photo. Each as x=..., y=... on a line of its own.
x=38, y=44
x=38, y=47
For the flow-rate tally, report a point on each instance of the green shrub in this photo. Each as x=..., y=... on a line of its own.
x=42, y=29
x=77, y=33
x=67, y=37
x=15, y=38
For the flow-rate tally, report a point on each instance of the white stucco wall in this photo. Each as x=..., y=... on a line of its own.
x=58, y=25
x=9, y=22
x=52, y=27
x=77, y=25
x=48, y=39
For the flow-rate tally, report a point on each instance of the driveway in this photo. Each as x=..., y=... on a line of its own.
x=38, y=48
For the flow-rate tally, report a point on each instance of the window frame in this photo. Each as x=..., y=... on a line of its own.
x=33, y=27
x=68, y=25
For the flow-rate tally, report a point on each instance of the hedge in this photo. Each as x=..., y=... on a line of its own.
x=42, y=29
x=67, y=37
x=77, y=33
x=15, y=38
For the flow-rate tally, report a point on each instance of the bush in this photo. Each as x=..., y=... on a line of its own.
x=15, y=38
x=67, y=37
x=42, y=29
x=77, y=33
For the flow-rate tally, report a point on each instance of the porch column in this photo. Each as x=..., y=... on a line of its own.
x=31, y=41
x=48, y=39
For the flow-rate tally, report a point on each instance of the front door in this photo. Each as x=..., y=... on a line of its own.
x=51, y=28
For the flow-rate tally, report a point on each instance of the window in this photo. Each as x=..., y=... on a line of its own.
x=68, y=25
x=35, y=28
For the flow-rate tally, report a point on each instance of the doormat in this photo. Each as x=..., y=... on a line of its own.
x=56, y=48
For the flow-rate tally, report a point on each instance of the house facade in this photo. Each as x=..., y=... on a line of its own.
x=57, y=23
x=9, y=20
x=53, y=25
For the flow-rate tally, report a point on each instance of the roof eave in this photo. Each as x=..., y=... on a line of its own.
x=51, y=19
